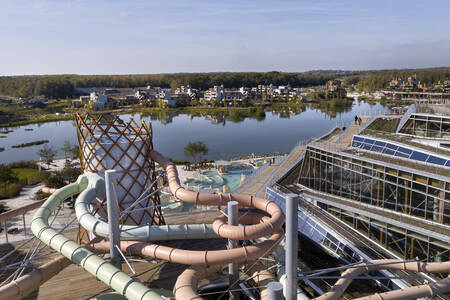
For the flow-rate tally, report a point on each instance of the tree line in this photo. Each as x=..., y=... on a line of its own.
x=380, y=79
x=62, y=86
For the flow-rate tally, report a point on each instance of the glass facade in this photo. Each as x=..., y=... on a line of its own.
x=427, y=126
x=405, y=244
x=377, y=184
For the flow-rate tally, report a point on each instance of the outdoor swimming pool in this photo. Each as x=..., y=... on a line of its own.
x=213, y=180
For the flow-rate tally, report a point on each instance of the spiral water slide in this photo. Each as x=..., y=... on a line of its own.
x=135, y=241
x=135, y=238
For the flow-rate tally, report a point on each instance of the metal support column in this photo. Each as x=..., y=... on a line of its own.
x=233, y=269
x=113, y=217
x=275, y=291
x=5, y=228
x=291, y=246
x=24, y=225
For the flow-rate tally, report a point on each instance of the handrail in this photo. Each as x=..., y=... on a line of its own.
x=253, y=175
x=344, y=132
x=21, y=210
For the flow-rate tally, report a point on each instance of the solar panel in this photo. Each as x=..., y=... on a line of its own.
x=436, y=160
x=387, y=148
x=416, y=155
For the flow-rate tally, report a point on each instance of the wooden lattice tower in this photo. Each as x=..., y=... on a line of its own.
x=107, y=142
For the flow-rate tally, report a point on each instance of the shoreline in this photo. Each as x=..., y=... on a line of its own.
x=68, y=115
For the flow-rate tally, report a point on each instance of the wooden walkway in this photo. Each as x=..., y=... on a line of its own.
x=257, y=185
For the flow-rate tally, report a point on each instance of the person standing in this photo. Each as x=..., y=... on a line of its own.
x=356, y=120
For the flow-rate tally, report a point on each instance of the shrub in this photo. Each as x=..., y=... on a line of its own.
x=53, y=180
x=10, y=191
x=23, y=164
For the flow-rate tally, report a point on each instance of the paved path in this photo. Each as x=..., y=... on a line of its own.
x=28, y=196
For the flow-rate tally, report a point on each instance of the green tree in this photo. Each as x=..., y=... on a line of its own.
x=75, y=151
x=47, y=154
x=66, y=148
x=196, y=150
x=7, y=175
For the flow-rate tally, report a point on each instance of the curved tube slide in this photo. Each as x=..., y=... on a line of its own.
x=78, y=254
x=261, y=276
x=27, y=283
x=232, y=232
x=91, y=187
x=186, y=285
x=132, y=232
x=443, y=286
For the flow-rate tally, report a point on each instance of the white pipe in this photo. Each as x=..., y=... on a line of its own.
x=279, y=255
x=132, y=232
x=113, y=217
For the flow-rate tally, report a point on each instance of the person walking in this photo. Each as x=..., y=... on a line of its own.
x=359, y=121
x=356, y=120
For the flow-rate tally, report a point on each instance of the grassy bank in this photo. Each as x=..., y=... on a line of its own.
x=30, y=144
x=43, y=119
x=27, y=175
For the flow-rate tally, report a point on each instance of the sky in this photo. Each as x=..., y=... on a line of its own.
x=145, y=36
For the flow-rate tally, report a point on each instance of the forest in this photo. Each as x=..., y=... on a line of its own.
x=380, y=79
x=61, y=86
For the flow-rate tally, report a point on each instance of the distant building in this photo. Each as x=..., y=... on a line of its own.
x=404, y=83
x=231, y=95
x=335, y=90
x=36, y=102
x=99, y=101
x=76, y=103
x=165, y=95
x=215, y=93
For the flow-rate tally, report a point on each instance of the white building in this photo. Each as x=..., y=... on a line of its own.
x=215, y=94
x=98, y=101
x=165, y=95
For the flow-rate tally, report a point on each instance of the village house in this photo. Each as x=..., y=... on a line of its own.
x=215, y=93
x=404, y=83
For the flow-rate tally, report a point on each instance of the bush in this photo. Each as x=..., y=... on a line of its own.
x=10, y=191
x=41, y=195
x=23, y=164
x=59, y=179
x=53, y=180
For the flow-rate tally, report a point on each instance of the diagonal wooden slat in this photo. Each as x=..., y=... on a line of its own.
x=133, y=142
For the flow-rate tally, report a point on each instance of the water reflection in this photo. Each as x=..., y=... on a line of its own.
x=242, y=132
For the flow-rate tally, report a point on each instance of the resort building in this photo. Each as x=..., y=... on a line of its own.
x=98, y=101
x=215, y=93
x=404, y=83
x=377, y=191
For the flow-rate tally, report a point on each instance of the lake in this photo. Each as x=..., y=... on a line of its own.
x=277, y=133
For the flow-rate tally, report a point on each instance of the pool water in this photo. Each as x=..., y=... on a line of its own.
x=213, y=180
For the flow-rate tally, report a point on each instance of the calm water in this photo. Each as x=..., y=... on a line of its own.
x=278, y=133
